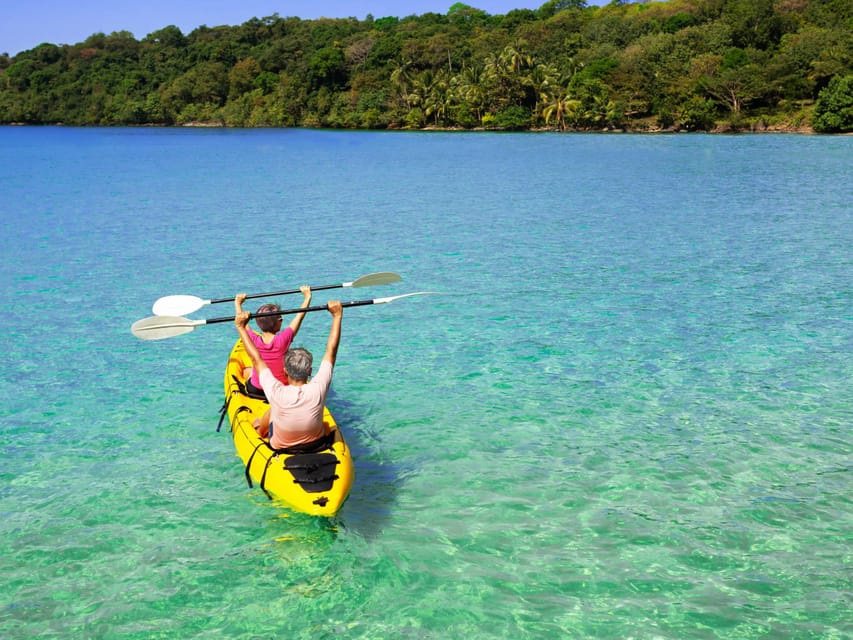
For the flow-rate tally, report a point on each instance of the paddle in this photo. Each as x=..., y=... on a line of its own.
x=180, y=305
x=160, y=327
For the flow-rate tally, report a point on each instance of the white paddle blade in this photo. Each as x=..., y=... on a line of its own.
x=405, y=295
x=161, y=327
x=373, y=279
x=179, y=305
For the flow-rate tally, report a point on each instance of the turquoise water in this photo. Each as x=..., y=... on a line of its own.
x=628, y=416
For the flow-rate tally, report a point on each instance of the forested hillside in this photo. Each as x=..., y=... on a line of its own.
x=678, y=65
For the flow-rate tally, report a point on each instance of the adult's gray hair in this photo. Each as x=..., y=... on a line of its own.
x=297, y=363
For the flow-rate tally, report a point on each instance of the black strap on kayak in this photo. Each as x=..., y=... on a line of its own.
x=249, y=462
x=241, y=389
x=240, y=386
x=224, y=411
x=262, y=443
x=264, y=477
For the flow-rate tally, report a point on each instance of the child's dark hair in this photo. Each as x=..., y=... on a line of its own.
x=268, y=323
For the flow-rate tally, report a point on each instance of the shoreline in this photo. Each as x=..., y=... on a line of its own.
x=725, y=129
x=719, y=129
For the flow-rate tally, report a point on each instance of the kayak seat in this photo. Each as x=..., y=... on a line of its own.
x=315, y=446
x=248, y=390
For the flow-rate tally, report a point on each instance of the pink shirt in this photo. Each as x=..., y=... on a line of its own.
x=272, y=354
x=296, y=412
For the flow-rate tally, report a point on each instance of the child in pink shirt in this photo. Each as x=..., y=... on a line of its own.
x=273, y=343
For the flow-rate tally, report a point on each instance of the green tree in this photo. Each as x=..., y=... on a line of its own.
x=402, y=80
x=266, y=81
x=512, y=118
x=833, y=111
x=431, y=94
x=328, y=67
x=697, y=114
x=469, y=94
x=541, y=79
x=170, y=36
x=242, y=76
x=753, y=23
x=439, y=98
x=730, y=80
x=561, y=107
x=504, y=75
x=553, y=7
x=201, y=89
x=597, y=109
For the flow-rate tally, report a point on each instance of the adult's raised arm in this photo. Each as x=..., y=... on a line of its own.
x=241, y=321
x=334, y=340
x=306, y=301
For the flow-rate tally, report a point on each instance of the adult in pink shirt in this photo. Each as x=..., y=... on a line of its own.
x=295, y=415
x=273, y=343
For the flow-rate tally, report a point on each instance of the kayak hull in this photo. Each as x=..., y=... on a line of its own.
x=316, y=483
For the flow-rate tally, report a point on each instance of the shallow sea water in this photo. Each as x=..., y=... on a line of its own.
x=628, y=415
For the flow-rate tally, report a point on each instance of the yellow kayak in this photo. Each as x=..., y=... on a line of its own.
x=316, y=482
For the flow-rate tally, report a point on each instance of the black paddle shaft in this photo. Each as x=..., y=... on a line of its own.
x=277, y=293
x=284, y=312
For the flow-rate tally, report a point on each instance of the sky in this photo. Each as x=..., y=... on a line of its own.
x=24, y=24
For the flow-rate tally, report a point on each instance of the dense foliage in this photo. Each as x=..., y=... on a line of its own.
x=681, y=64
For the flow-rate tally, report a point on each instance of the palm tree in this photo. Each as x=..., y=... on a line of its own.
x=437, y=97
x=541, y=79
x=419, y=89
x=467, y=88
x=430, y=92
x=401, y=79
x=504, y=72
x=604, y=111
x=514, y=60
x=493, y=66
x=561, y=107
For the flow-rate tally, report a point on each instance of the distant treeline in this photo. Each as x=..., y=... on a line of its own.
x=678, y=65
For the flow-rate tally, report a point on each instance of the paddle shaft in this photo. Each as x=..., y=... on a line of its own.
x=279, y=293
x=284, y=312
